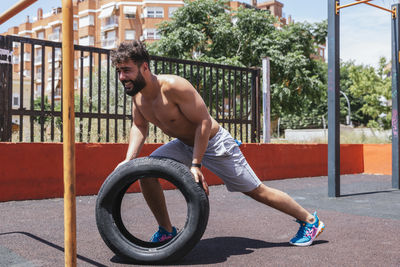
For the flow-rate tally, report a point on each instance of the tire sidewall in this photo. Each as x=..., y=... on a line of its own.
x=116, y=184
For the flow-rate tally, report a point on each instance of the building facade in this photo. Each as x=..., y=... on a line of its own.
x=102, y=24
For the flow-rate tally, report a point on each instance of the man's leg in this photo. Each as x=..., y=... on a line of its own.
x=154, y=196
x=280, y=201
x=151, y=187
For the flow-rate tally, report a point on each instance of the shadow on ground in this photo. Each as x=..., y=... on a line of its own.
x=219, y=249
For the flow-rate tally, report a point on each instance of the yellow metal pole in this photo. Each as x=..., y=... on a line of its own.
x=68, y=134
x=15, y=9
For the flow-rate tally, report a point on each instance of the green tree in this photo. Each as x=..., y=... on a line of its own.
x=371, y=88
x=207, y=30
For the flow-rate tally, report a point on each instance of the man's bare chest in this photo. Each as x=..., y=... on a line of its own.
x=160, y=112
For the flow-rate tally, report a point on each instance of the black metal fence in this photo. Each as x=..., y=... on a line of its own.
x=31, y=104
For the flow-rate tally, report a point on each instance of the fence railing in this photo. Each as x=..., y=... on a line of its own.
x=31, y=104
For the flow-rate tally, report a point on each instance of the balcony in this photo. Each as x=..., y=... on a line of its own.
x=109, y=23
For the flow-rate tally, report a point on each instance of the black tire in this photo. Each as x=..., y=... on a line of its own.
x=121, y=241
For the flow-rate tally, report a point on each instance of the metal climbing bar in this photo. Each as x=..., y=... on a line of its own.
x=338, y=7
x=15, y=9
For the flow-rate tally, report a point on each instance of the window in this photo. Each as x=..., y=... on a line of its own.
x=38, y=89
x=108, y=39
x=151, y=34
x=40, y=35
x=27, y=56
x=110, y=21
x=26, y=73
x=86, y=61
x=75, y=25
x=57, y=29
x=86, y=40
x=171, y=11
x=86, y=21
x=130, y=12
x=38, y=72
x=154, y=12
x=130, y=34
x=55, y=36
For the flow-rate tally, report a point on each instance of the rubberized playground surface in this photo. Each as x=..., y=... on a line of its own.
x=362, y=229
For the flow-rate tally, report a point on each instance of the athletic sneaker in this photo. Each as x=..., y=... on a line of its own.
x=163, y=235
x=308, y=232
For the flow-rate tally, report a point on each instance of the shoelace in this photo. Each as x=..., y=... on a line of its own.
x=302, y=230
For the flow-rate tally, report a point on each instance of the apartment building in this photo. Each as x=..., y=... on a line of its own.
x=98, y=23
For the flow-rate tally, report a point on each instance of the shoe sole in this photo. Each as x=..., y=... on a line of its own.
x=321, y=228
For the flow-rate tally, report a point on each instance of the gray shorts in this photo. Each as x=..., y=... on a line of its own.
x=223, y=157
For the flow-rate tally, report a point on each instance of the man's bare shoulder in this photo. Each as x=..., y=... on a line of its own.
x=173, y=83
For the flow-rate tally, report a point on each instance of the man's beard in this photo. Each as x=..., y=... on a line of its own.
x=136, y=85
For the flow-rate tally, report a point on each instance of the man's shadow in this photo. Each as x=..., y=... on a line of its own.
x=219, y=249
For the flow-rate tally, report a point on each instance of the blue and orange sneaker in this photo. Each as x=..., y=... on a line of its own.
x=163, y=235
x=307, y=232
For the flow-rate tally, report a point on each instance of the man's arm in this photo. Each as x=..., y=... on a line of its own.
x=194, y=109
x=137, y=135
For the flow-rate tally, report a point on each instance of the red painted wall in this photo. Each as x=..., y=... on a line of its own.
x=34, y=170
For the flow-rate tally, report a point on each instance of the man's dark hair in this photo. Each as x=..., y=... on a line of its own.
x=134, y=50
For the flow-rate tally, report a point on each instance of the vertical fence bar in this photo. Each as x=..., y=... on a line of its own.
x=69, y=134
x=116, y=107
x=210, y=92
x=53, y=67
x=81, y=97
x=333, y=101
x=241, y=105
x=21, y=88
x=124, y=119
x=32, y=103
x=32, y=75
x=230, y=100
x=217, y=94
x=234, y=102
x=90, y=95
x=99, y=97
x=258, y=105
x=247, y=106
x=395, y=98
x=204, y=83
x=108, y=99
x=253, y=106
x=223, y=97
x=5, y=89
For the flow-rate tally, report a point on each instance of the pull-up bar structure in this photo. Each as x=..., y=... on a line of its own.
x=334, y=93
x=15, y=9
x=68, y=123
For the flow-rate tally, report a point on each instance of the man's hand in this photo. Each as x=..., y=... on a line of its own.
x=199, y=178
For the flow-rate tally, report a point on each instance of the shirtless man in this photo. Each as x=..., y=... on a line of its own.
x=173, y=104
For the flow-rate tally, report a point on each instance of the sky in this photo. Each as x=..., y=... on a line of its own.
x=365, y=31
